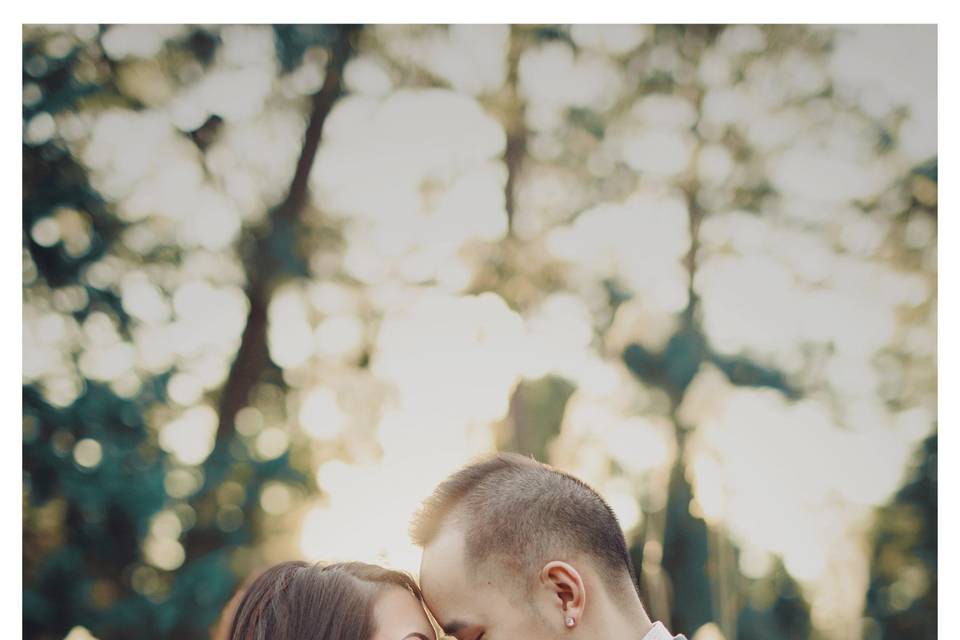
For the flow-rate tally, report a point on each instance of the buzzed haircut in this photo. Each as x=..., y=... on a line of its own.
x=520, y=513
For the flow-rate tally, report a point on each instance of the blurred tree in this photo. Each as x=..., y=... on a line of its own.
x=665, y=217
x=902, y=600
x=96, y=484
x=536, y=413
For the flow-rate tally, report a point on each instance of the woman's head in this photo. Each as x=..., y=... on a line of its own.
x=344, y=601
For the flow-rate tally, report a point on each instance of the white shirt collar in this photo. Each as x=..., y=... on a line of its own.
x=659, y=632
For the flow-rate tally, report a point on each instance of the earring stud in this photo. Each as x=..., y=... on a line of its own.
x=570, y=622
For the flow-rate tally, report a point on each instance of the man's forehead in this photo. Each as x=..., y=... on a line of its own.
x=443, y=575
x=444, y=559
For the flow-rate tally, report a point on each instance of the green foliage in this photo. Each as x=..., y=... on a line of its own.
x=685, y=558
x=293, y=41
x=902, y=599
x=85, y=528
x=785, y=616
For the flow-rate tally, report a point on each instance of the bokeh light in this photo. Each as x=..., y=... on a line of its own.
x=695, y=266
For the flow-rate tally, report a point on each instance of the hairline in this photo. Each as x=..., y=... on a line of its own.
x=455, y=513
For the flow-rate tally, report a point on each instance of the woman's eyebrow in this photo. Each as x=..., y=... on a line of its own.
x=454, y=626
x=419, y=636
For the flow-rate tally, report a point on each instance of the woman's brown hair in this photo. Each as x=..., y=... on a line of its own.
x=302, y=601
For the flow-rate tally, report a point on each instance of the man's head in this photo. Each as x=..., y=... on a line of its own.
x=513, y=548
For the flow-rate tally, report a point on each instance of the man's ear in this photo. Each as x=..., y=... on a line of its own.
x=570, y=594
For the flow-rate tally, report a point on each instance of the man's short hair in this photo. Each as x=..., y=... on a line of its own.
x=522, y=513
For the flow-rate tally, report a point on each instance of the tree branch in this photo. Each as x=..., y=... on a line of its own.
x=515, y=127
x=253, y=356
x=263, y=272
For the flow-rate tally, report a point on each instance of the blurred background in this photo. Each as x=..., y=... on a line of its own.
x=278, y=281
